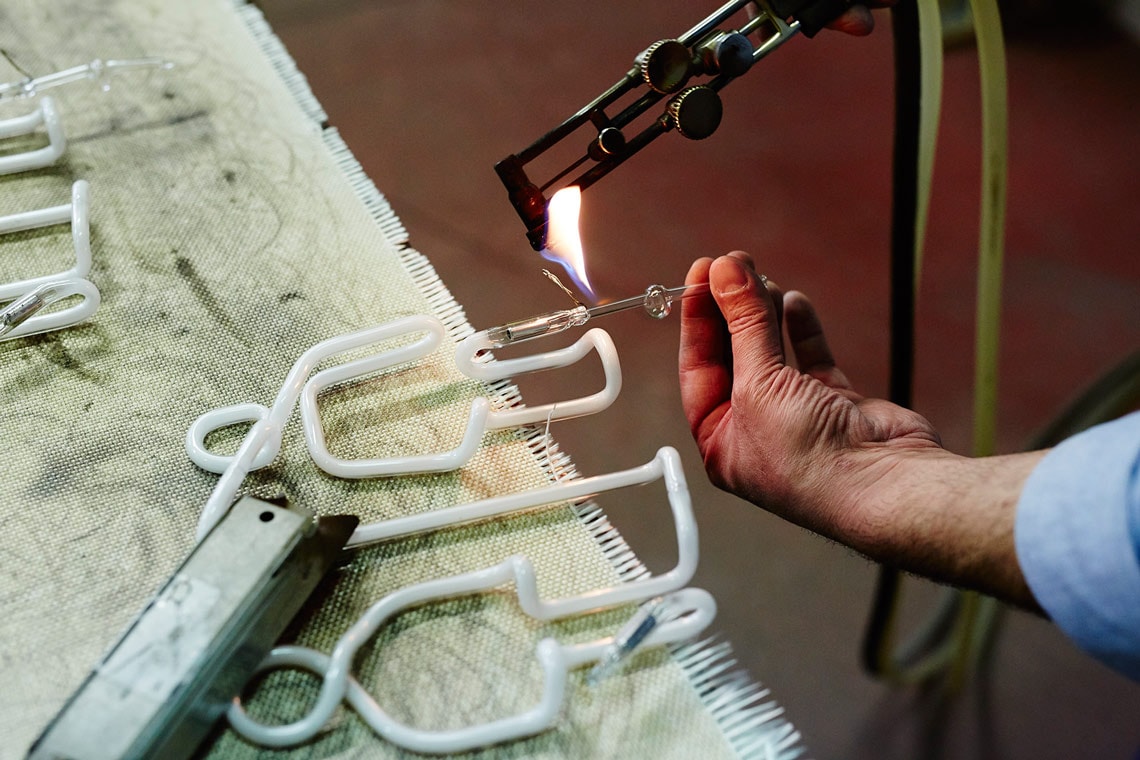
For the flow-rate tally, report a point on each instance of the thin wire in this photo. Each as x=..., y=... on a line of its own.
x=554, y=278
x=696, y=289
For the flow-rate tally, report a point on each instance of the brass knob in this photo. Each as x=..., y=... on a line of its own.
x=696, y=112
x=666, y=65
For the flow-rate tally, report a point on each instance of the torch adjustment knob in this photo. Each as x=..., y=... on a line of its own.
x=666, y=65
x=696, y=112
x=728, y=53
x=609, y=142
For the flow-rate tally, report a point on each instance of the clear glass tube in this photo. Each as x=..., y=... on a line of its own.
x=535, y=327
x=17, y=312
x=97, y=69
x=628, y=638
x=657, y=301
x=20, y=310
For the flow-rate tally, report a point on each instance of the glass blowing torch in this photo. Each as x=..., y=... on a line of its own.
x=665, y=69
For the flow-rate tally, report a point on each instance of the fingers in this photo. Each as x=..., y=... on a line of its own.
x=744, y=258
x=856, y=20
x=704, y=360
x=809, y=345
x=738, y=335
x=751, y=316
x=805, y=332
x=773, y=289
x=777, y=294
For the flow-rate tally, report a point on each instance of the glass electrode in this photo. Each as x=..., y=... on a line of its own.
x=535, y=327
x=656, y=301
x=628, y=638
x=98, y=69
x=20, y=310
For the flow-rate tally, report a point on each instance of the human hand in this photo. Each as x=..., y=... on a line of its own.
x=800, y=442
x=857, y=20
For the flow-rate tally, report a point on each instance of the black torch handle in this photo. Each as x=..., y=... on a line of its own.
x=813, y=15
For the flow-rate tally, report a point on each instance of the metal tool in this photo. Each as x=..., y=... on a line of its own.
x=666, y=69
x=164, y=684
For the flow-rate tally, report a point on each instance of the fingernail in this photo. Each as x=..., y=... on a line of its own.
x=734, y=278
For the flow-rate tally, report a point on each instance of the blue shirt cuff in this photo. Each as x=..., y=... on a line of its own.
x=1074, y=534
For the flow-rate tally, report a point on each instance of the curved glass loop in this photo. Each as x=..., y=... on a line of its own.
x=263, y=440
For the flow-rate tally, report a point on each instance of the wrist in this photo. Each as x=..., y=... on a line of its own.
x=878, y=509
x=944, y=516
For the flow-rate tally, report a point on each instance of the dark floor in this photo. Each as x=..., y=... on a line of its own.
x=430, y=94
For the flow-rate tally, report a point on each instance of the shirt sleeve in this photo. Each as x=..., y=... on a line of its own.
x=1077, y=534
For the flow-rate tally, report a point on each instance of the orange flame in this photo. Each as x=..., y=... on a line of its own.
x=563, y=240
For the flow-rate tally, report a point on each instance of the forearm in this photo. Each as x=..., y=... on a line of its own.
x=944, y=516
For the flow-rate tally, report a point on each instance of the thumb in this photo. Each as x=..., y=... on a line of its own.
x=750, y=313
x=856, y=20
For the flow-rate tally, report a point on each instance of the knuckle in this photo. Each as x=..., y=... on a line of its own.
x=749, y=318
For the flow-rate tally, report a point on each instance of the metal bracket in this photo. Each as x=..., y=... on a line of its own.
x=666, y=69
